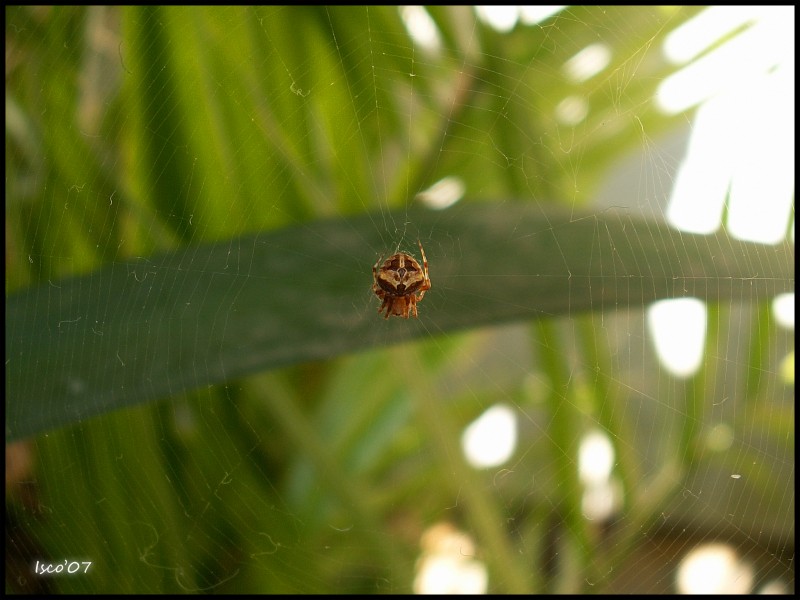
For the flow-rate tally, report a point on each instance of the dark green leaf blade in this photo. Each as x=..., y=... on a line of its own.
x=143, y=330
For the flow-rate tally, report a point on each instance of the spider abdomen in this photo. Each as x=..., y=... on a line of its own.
x=398, y=282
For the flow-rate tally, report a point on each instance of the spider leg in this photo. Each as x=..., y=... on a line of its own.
x=387, y=304
x=427, y=282
x=424, y=258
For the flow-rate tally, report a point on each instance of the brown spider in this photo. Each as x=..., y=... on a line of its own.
x=400, y=283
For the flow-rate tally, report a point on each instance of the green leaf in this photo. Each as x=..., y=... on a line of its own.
x=137, y=331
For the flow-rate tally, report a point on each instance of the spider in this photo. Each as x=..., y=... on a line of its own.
x=400, y=283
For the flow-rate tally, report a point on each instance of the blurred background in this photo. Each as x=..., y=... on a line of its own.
x=635, y=448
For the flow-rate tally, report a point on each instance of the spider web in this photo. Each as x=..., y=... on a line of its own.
x=570, y=451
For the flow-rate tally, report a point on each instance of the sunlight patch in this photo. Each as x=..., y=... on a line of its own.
x=504, y=18
x=601, y=493
x=443, y=194
x=678, y=328
x=783, y=309
x=714, y=569
x=698, y=194
x=572, y=110
x=530, y=15
x=588, y=62
x=491, y=439
x=751, y=166
x=696, y=35
x=732, y=65
x=501, y=18
x=595, y=458
x=749, y=81
x=421, y=27
x=762, y=187
x=447, y=564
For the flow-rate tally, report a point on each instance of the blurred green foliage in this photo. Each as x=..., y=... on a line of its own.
x=144, y=141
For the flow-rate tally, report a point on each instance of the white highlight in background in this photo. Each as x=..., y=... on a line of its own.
x=703, y=179
x=444, y=193
x=783, y=309
x=595, y=458
x=742, y=143
x=714, y=569
x=504, y=18
x=501, y=18
x=741, y=150
x=421, y=27
x=490, y=440
x=531, y=15
x=678, y=328
x=447, y=564
x=751, y=53
x=696, y=35
x=572, y=110
x=595, y=463
x=588, y=62
x=762, y=187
